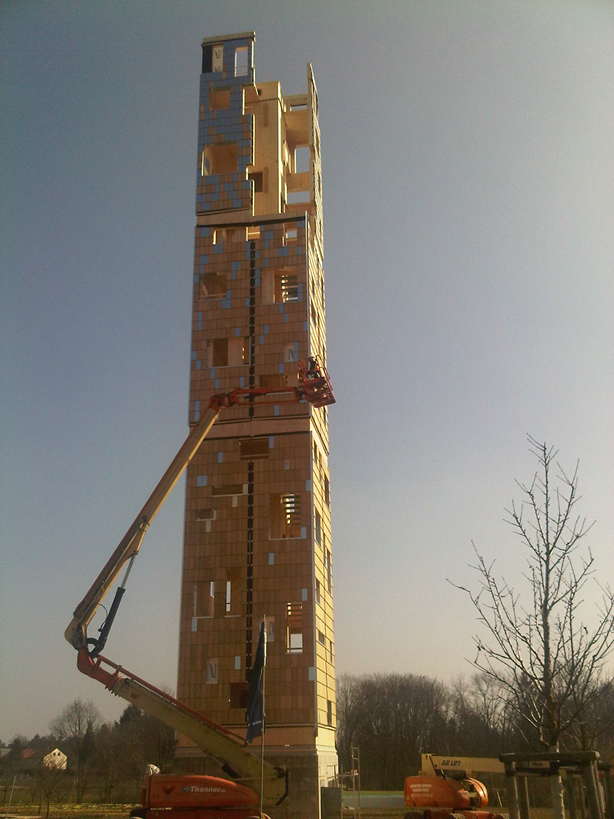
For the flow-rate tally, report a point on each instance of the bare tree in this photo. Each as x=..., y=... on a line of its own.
x=539, y=650
x=75, y=726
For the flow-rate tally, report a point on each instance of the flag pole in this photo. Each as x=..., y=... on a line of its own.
x=263, y=720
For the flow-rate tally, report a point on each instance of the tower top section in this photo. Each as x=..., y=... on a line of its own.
x=244, y=35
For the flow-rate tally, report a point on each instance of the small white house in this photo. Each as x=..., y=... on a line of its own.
x=55, y=759
x=35, y=759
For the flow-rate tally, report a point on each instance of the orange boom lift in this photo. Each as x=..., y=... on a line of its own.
x=190, y=796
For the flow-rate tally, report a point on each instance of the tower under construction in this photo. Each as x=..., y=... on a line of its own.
x=257, y=520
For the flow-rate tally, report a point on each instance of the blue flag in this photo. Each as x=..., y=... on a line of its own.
x=255, y=695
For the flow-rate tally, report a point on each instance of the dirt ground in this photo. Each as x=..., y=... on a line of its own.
x=123, y=811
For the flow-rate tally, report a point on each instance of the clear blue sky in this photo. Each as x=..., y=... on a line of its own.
x=468, y=198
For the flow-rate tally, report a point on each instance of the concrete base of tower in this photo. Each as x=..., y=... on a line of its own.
x=310, y=770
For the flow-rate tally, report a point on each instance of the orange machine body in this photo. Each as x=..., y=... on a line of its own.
x=436, y=797
x=193, y=791
x=440, y=792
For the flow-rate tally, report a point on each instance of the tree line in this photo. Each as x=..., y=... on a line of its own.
x=106, y=761
x=394, y=718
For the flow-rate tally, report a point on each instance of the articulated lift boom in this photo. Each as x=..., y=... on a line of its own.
x=209, y=794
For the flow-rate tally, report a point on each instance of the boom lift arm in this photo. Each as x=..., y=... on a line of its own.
x=213, y=739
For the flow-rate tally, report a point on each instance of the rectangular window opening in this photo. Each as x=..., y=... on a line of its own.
x=298, y=197
x=252, y=448
x=279, y=286
x=227, y=489
x=329, y=713
x=318, y=528
x=212, y=285
x=294, y=628
x=204, y=598
x=241, y=61
x=326, y=491
x=302, y=159
x=321, y=638
x=253, y=232
x=222, y=157
x=285, y=516
x=218, y=352
x=318, y=592
x=286, y=287
x=258, y=180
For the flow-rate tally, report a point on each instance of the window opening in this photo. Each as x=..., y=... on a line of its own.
x=227, y=489
x=289, y=355
x=286, y=287
x=279, y=286
x=329, y=572
x=298, y=197
x=330, y=650
x=329, y=713
x=253, y=232
x=302, y=159
x=290, y=236
x=217, y=352
x=212, y=285
x=257, y=179
x=321, y=638
x=318, y=593
x=253, y=448
x=326, y=491
x=285, y=516
x=241, y=62
x=220, y=158
x=294, y=628
x=204, y=598
x=318, y=532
